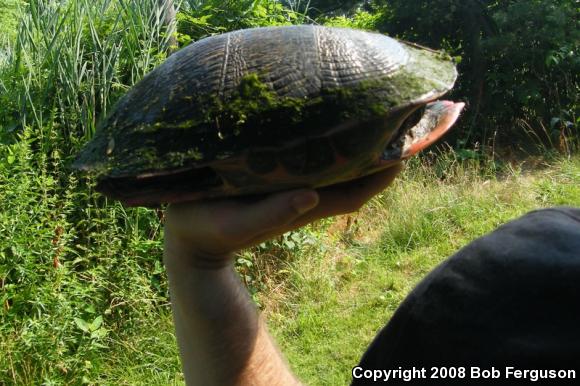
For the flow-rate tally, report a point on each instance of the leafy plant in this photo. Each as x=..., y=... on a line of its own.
x=519, y=62
x=83, y=294
x=199, y=19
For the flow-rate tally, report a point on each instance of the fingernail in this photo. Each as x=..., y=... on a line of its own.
x=304, y=202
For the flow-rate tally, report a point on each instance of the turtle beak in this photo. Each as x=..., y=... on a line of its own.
x=438, y=118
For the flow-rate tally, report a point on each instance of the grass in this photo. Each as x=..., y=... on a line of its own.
x=82, y=288
x=341, y=291
x=85, y=302
x=83, y=296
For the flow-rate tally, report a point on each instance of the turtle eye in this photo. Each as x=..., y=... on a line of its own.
x=411, y=121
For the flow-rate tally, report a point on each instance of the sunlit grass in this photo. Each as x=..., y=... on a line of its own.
x=83, y=297
x=89, y=301
x=345, y=288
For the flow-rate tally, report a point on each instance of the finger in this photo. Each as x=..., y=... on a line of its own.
x=349, y=197
x=270, y=214
x=338, y=199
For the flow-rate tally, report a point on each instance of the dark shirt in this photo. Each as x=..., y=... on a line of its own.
x=508, y=299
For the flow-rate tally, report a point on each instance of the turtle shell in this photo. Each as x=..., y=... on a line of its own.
x=266, y=109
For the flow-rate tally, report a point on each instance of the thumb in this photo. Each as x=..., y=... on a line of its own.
x=275, y=211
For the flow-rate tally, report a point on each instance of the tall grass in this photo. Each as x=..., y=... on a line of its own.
x=72, y=59
x=83, y=297
x=78, y=275
x=81, y=280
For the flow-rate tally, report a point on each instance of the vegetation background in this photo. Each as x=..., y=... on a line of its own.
x=83, y=296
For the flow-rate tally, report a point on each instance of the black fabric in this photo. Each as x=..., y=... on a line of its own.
x=510, y=298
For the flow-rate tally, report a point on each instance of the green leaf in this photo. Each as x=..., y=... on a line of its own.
x=98, y=345
x=83, y=325
x=99, y=334
x=97, y=323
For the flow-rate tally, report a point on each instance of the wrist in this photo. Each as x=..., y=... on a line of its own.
x=211, y=298
x=184, y=254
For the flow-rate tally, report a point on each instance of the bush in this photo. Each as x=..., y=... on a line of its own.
x=199, y=19
x=61, y=303
x=77, y=273
x=519, y=69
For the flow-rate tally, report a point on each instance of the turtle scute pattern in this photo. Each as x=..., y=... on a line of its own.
x=259, y=107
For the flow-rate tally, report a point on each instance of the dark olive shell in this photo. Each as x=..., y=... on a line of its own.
x=260, y=110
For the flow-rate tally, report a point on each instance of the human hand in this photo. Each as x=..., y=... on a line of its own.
x=206, y=233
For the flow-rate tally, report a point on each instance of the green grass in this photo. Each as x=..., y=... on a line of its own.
x=99, y=315
x=83, y=295
x=8, y=19
x=341, y=291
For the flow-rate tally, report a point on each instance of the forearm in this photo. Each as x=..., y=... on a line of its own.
x=221, y=338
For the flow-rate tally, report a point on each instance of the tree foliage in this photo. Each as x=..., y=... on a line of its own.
x=519, y=69
x=315, y=8
x=533, y=67
x=199, y=19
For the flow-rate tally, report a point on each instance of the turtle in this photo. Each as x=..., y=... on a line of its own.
x=266, y=109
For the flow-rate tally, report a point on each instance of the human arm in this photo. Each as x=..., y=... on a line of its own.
x=221, y=337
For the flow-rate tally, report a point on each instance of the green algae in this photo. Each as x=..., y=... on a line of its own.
x=255, y=100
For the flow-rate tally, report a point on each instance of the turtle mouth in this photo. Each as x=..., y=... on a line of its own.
x=422, y=128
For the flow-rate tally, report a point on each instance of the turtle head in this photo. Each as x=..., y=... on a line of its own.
x=434, y=120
